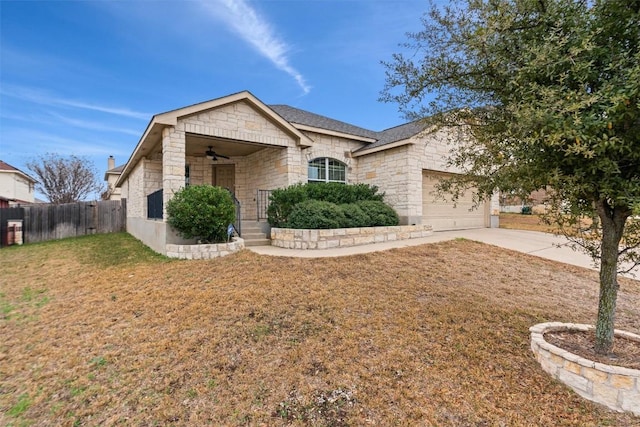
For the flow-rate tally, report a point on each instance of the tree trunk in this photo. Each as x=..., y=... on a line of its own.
x=613, y=219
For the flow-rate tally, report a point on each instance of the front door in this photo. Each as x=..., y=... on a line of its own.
x=224, y=176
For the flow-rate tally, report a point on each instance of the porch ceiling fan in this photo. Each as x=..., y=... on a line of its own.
x=212, y=155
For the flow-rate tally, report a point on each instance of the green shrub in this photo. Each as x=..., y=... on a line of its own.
x=316, y=214
x=202, y=211
x=379, y=213
x=339, y=193
x=354, y=216
x=282, y=201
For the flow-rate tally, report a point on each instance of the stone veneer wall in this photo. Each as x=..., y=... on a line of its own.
x=238, y=121
x=204, y=251
x=613, y=386
x=344, y=237
x=396, y=173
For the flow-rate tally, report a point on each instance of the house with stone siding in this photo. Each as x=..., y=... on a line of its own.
x=258, y=148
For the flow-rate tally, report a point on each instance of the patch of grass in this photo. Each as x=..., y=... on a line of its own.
x=98, y=361
x=114, y=250
x=5, y=307
x=23, y=306
x=102, y=250
x=24, y=402
x=428, y=335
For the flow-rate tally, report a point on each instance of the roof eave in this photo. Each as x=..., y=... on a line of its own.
x=333, y=133
x=363, y=152
x=153, y=127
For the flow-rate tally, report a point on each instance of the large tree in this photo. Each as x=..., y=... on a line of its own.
x=548, y=93
x=65, y=179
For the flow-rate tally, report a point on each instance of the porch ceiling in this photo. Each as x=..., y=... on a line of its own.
x=198, y=144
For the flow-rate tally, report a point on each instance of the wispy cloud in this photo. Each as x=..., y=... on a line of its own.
x=43, y=98
x=52, y=118
x=258, y=32
x=95, y=125
x=45, y=142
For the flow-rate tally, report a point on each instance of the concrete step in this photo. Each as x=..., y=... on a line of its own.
x=252, y=236
x=257, y=242
x=252, y=229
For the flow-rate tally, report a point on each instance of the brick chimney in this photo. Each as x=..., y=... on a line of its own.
x=111, y=163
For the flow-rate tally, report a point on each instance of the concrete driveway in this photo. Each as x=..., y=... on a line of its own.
x=531, y=242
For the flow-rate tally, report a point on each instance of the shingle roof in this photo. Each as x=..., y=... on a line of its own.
x=394, y=134
x=302, y=117
x=387, y=136
x=117, y=169
x=7, y=167
x=4, y=166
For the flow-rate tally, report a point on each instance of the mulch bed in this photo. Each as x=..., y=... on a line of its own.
x=625, y=352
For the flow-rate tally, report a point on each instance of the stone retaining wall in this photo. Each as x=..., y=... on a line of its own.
x=343, y=237
x=613, y=386
x=204, y=251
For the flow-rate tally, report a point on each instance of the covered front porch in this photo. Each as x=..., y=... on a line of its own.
x=234, y=142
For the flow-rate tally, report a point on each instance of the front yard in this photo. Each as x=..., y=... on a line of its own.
x=100, y=331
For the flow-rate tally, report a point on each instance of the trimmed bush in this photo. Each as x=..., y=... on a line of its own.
x=339, y=193
x=316, y=214
x=379, y=213
x=282, y=201
x=202, y=211
x=354, y=216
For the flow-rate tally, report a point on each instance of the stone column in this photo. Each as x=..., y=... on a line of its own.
x=173, y=161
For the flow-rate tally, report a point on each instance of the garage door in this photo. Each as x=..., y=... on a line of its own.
x=442, y=214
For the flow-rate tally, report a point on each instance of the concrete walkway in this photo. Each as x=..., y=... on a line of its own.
x=531, y=242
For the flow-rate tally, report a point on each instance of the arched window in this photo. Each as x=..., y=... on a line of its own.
x=324, y=169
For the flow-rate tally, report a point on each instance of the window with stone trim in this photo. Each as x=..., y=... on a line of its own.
x=325, y=169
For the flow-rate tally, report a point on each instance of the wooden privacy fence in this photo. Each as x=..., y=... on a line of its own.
x=49, y=222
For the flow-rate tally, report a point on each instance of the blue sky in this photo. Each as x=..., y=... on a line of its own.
x=85, y=77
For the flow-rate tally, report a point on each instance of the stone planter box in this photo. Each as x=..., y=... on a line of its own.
x=613, y=386
x=204, y=251
x=344, y=237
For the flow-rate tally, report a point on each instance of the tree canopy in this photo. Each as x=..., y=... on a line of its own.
x=65, y=179
x=548, y=92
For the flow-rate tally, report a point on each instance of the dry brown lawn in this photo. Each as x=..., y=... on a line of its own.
x=518, y=221
x=98, y=331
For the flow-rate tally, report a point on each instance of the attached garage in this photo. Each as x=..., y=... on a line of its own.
x=446, y=215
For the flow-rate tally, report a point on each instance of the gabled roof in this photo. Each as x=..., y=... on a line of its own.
x=297, y=116
x=6, y=167
x=153, y=132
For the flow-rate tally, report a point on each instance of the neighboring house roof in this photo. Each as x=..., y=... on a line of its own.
x=115, y=171
x=6, y=167
x=297, y=116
